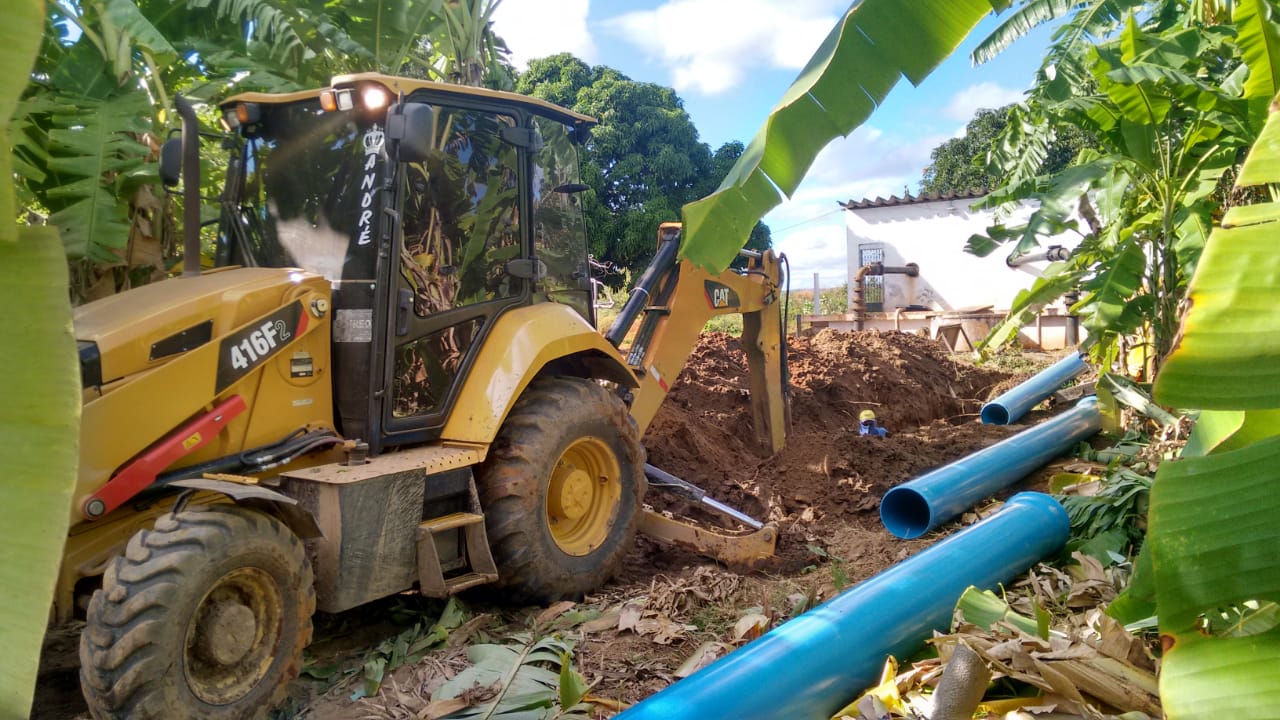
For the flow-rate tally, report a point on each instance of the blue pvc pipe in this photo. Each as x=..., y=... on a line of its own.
x=1010, y=406
x=811, y=666
x=914, y=508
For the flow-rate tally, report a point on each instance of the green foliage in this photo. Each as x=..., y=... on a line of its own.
x=875, y=43
x=1011, y=359
x=1200, y=507
x=839, y=573
x=534, y=680
x=410, y=646
x=39, y=439
x=1210, y=565
x=1223, y=362
x=92, y=161
x=643, y=161
x=984, y=609
x=1092, y=19
x=39, y=433
x=89, y=126
x=1165, y=102
x=961, y=164
x=1110, y=524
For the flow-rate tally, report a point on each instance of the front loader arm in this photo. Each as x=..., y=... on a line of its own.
x=679, y=299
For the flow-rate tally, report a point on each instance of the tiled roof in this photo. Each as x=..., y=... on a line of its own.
x=970, y=194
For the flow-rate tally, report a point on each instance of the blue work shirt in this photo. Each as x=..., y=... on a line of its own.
x=869, y=427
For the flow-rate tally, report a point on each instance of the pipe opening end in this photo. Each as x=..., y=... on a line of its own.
x=905, y=513
x=993, y=414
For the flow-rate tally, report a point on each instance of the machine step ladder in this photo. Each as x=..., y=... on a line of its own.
x=478, y=566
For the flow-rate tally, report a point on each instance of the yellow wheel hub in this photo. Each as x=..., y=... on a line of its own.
x=232, y=637
x=583, y=496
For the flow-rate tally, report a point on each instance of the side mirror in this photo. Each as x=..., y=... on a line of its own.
x=171, y=161
x=410, y=131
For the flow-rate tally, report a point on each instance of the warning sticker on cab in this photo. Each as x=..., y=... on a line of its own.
x=246, y=349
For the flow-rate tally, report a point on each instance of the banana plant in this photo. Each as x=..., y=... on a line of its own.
x=869, y=49
x=472, y=52
x=39, y=416
x=85, y=133
x=1171, y=105
x=1210, y=564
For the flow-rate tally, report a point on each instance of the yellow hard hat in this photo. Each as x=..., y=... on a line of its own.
x=866, y=415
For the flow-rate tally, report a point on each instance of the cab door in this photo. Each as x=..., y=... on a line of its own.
x=460, y=228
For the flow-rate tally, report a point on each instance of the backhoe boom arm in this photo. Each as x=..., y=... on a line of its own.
x=676, y=299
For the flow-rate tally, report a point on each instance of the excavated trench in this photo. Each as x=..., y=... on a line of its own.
x=827, y=476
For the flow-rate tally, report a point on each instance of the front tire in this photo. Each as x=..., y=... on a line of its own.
x=206, y=616
x=562, y=490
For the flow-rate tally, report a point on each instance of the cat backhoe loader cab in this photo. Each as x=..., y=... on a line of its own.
x=390, y=380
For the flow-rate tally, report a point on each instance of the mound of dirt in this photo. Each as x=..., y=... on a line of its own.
x=827, y=476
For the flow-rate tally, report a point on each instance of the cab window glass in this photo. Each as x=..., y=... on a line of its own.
x=427, y=368
x=559, y=232
x=310, y=195
x=461, y=218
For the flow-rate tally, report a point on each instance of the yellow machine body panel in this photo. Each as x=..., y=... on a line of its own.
x=524, y=341
x=145, y=392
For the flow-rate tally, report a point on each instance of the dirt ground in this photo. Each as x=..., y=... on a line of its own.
x=669, y=605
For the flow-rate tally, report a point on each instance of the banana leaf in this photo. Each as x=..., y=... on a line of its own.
x=1213, y=536
x=1228, y=355
x=1212, y=533
x=40, y=412
x=876, y=43
x=38, y=441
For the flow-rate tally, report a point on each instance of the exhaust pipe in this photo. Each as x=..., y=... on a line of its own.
x=1012, y=405
x=190, y=187
x=915, y=508
x=810, y=666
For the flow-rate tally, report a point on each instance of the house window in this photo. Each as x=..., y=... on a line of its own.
x=872, y=285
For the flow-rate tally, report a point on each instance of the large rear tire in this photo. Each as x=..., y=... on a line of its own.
x=206, y=616
x=562, y=490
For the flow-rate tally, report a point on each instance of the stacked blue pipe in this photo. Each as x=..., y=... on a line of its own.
x=811, y=666
x=1010, y=406
x=913, y=509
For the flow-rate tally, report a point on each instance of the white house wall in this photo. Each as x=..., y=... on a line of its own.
x=933, y=235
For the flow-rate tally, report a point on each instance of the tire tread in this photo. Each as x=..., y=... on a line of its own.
x=123, y=667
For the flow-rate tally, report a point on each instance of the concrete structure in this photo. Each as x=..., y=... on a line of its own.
x=956, y=296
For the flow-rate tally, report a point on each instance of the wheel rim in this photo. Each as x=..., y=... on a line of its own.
x=233, y=636
x=583, y=496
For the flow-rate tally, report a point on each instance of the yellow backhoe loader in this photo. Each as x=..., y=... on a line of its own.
x=390, y=380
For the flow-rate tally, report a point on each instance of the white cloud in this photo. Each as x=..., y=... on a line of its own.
x=984, y=95
x=534, y=29
x=711, y=46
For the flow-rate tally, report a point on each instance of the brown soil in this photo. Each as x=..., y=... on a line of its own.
x=822, y=491
x=827, y=474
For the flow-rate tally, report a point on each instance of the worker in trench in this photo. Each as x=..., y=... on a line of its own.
x=867, y=425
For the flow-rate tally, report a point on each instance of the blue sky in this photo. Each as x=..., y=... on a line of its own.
x=731, y=60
